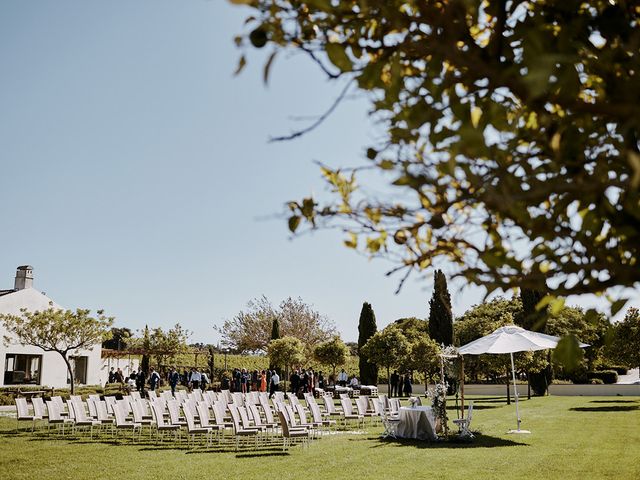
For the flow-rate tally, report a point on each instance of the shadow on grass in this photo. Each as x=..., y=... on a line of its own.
x=480, y=441
x=612, y=408
x=613, y=401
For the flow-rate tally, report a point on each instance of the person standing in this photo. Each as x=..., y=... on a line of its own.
x=343, y=378
x=140, y=381
x=408, y=390
x=393, y=380
x=174, y=379
x=204, y=381
x=119, y=376
x=274, y=384
x=400, y=385
x=154, y=379
x=112, y=376
x=244, y=380
x=320, y=381
x=263, y=381
x=195, y=378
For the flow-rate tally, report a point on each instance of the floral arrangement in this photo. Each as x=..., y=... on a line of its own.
x=438, y=396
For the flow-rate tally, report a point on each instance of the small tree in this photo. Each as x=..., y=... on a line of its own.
x=625, y=346
x=440, y=315
x=284, y=352
x=333, y=353
x=424, y=357
x=366, y=329
x=56, y=330
x=386, y=349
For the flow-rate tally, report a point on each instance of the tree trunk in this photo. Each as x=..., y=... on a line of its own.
x=70, y=370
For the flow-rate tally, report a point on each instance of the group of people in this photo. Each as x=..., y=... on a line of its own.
x=400, y=384
x=305, y=381
x=245, y=381
x=139, y=379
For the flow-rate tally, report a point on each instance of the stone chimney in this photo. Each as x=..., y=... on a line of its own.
x=24, y=277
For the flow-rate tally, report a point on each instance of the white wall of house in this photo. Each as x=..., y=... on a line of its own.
x=53, y=369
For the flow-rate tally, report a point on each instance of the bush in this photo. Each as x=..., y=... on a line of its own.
x=558, y=381
x=607, y=376
x=596, y=381
x=620, y=369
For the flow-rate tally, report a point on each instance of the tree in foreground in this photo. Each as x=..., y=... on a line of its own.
x=509, y=138
x=366, y=329
x=387, y=349
x=440, y=314
x=251, y=330
x=333, y=353
x=65, y=332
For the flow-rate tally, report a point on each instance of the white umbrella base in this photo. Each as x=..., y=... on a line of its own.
x=518, y=431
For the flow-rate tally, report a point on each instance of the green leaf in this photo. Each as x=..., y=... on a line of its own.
x=556, y=306
x=618, y=305
x=294, y=222
x=568, y=353
x=339, y=57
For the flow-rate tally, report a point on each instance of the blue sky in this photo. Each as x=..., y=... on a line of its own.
x=137, y=175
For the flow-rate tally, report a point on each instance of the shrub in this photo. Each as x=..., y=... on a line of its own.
x=596, y=381
x=558, y=381
x=620, y=369
x=607, y=376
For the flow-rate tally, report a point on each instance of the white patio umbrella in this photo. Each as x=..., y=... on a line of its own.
x=510, y=339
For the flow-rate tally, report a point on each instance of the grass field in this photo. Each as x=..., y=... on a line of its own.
x=573, y=438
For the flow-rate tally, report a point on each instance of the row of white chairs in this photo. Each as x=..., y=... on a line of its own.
x=253, y=411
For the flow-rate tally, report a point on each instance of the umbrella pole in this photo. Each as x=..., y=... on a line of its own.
x=515, y=388
x=515, y=394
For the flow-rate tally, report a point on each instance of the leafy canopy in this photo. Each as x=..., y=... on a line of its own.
x=251, y=330
x=285, y=352
x=333, y=353
x=510, y=133
x=625, y=344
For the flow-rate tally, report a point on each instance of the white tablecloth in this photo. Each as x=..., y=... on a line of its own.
x=417, y=422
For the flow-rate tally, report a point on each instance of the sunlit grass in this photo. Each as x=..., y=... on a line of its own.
x=573, y=438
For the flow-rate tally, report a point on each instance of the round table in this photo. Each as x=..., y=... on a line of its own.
x=418, y=423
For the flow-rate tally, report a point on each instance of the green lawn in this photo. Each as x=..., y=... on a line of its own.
x=573, y=437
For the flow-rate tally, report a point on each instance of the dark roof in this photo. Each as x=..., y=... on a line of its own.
x=6, y=292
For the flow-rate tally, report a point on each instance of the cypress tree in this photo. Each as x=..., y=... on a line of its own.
x=275, y=335
x=440, y=315
x=275, y=329
x=366, y=329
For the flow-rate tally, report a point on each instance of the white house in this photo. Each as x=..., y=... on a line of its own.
x=28, y=365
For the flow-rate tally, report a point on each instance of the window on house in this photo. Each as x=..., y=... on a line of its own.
x=22, y=369
x=79, y=365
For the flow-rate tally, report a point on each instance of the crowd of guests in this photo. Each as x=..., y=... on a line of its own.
x=301, y=380
x=139, y=380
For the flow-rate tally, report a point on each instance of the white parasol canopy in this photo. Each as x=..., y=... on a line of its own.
x=511, y=339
